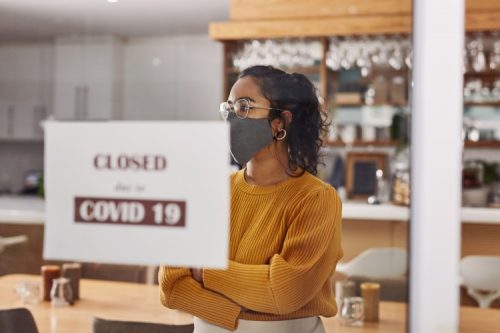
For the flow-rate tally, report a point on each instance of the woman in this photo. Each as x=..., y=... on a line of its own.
x=285, y=223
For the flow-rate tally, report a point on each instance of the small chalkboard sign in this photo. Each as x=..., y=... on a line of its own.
x=361, y=173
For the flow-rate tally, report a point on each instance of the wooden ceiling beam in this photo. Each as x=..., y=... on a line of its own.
x=247, y=10
x=337, y=26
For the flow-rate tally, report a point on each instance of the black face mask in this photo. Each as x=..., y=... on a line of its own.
x=248, y=136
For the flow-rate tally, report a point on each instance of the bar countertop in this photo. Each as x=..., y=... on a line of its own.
x=31, y=210
x=390, y=212
x=22, y=210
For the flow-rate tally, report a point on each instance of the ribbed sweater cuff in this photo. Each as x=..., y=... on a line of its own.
x=215, y=279
x=217, y=310
x=247, y=285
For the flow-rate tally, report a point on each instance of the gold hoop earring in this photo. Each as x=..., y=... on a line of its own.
x=280, y=135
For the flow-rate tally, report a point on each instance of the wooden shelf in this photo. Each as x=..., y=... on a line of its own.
x=362, y=143
x=334, y=105
x=242, y=10
x=482, y=104
x=486, y=73
x=303, y=70
x=494, y=144
x=232, y=70
x=375, y=71
x=22, y=140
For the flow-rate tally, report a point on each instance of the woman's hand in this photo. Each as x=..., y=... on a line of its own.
x=197, y=274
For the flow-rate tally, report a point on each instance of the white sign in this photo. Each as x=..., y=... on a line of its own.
x=137, y=192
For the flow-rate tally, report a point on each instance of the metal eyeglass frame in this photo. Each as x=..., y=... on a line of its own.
x=226, y=107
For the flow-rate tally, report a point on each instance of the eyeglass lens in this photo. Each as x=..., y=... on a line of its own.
x=240, y=108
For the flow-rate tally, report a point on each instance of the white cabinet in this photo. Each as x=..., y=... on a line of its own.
x=67, y=80
x=172, y=78
x=87, y=74
x=25, y=89
x=197, y=67
x=6, y=120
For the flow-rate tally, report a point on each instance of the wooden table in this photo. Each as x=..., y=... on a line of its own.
x=106, y=299
x=140, y=302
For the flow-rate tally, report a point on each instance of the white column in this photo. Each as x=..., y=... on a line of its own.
x=438, y=34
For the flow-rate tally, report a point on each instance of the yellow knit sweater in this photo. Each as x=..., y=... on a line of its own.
x=284, y=246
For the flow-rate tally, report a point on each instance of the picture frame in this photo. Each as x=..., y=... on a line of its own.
x=361, y=181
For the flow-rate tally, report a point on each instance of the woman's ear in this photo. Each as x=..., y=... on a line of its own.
x=287, y=117
x=277, y=124
x=283, y=121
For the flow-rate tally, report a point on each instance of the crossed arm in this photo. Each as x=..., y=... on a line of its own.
x=291, y=279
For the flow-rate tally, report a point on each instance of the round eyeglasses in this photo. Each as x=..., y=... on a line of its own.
x=240, y=108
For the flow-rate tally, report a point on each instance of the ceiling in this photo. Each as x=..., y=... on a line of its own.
x=41, y=19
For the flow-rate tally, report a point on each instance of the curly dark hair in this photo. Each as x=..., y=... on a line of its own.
x=295, y=93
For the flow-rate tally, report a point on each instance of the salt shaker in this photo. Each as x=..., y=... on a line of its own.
x=371, y=296
x=73, y=271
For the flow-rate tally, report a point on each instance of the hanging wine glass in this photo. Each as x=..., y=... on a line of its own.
x=478, y=55
x=303, y=56
x=364, y=62
x=396, y=55
x=408, y=53
x=265, y=52
x=364, y=50
x=495, y=92
x=494, y=61
x=285, y=59
x=348, y=53
x=379, y=56
x=316, y=51
x=333, y=55
x=466, y=62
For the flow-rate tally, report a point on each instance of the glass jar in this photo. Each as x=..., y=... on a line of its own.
x=352, y=311
x=472, y=174
x=494, y=198
x=61, y=293
x=400, y=165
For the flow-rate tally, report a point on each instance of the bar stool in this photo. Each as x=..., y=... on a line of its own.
x=383, y=262
x=481, y=278
x=9, y=241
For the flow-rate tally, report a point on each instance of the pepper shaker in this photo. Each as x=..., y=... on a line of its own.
x=49, y=273
x=73, y=271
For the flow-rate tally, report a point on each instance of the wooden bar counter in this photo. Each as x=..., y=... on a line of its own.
x=140, y=302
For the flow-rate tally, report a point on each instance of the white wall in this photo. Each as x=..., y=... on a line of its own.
x=172, y=78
